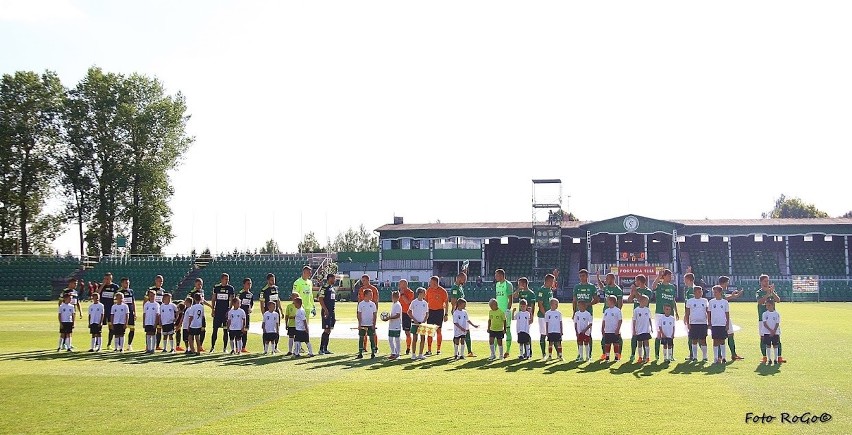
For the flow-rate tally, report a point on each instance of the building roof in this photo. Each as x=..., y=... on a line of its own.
x=713, y=227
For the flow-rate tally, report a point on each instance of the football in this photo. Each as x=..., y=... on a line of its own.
x=385, y=316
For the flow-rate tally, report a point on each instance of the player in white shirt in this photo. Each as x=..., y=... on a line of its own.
x=772, y=332
x=583, y=330
x=302, y=333
x=184, y=322
x=418, y=310
x=696, y=320
x=394, y=326
x=271, y=326
x=168, y=316
x=66, y=323
x=236, y=326
x=196, y=321
x=150, y=320
x=642, y=329
x=611, y=328
x=367, y=324
x=666, y=329
x=720, y=321
x=119, y=315
x=460, y=328
x=553, y=326
x=96, y=320
x=523, y=320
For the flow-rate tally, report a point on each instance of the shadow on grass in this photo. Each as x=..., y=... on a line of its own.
x=561, y=367
x=688, y=367
x=767, y=370
x=649, y=369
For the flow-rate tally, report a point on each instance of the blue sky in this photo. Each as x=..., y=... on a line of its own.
x=317, y=116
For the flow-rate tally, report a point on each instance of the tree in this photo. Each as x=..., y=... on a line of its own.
x=559, y=216
x=123, y=136
x=354, y=241
x=270, y=247
x=794, y=208
x=309, y=244
x=30, y=108
x=847, y=215
x=156, y=131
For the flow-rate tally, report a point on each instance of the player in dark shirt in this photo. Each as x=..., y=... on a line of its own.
x=107, y=291
x=131, y=310
x=327, y=298
x=270, y=294
x=221, y=297
x=246, y=303
x=157, y=288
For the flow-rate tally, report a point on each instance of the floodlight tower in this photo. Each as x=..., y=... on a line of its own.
x=547, y=216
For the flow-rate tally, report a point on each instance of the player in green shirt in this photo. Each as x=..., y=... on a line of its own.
x=456, y=293
x=610, y=289
x=545, y=293
x=766, y=293
x=304, y=286
x=664, y=294
x=586, y=292
x=504, y=290
x=524, y=292
x=638, y=288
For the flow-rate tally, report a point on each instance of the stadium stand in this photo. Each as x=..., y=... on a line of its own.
x=32, y=277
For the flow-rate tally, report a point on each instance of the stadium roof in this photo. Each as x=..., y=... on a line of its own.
x=713, y=227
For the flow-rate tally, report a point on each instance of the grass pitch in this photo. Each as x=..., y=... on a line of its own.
x=44, y=391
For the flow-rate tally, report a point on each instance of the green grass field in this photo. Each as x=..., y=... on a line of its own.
x=44, y=391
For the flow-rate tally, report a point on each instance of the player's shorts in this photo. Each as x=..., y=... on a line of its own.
x=554, y=337
x=291, y=331
x=168, y=328
x=118, y=329
x=95, y=328
x=302, y=337
x=697, y=331
x=719, y=332
x=131, y=320
x=270, y=336
x=771, y=340
x=611, y=338
x=233, y=335
x=220, y=320
x=394, y=332
x=414, y=328
x=203, y=322
x=328, y=322
x=150, y=329
x=584, y=338
x=66, y=327
x=436, y=317
x=496, y=334
x=406, y=322
x=542, y=327
x=185, y=334
x=644, y=336
x=524, y=337
x=459, y=337
x=667, y=342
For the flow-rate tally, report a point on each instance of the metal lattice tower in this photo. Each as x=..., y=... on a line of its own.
x=547, y=216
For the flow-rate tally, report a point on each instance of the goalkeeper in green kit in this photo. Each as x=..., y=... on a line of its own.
x=504, y=290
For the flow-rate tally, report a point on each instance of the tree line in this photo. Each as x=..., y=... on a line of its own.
x=103, y=147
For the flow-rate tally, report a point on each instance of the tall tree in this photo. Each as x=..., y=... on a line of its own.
x=30, y=109
x=354, y=241
x=309, y=244
x=156, y=127
x=96, y=137
x=794, y=208
x=270, y=247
